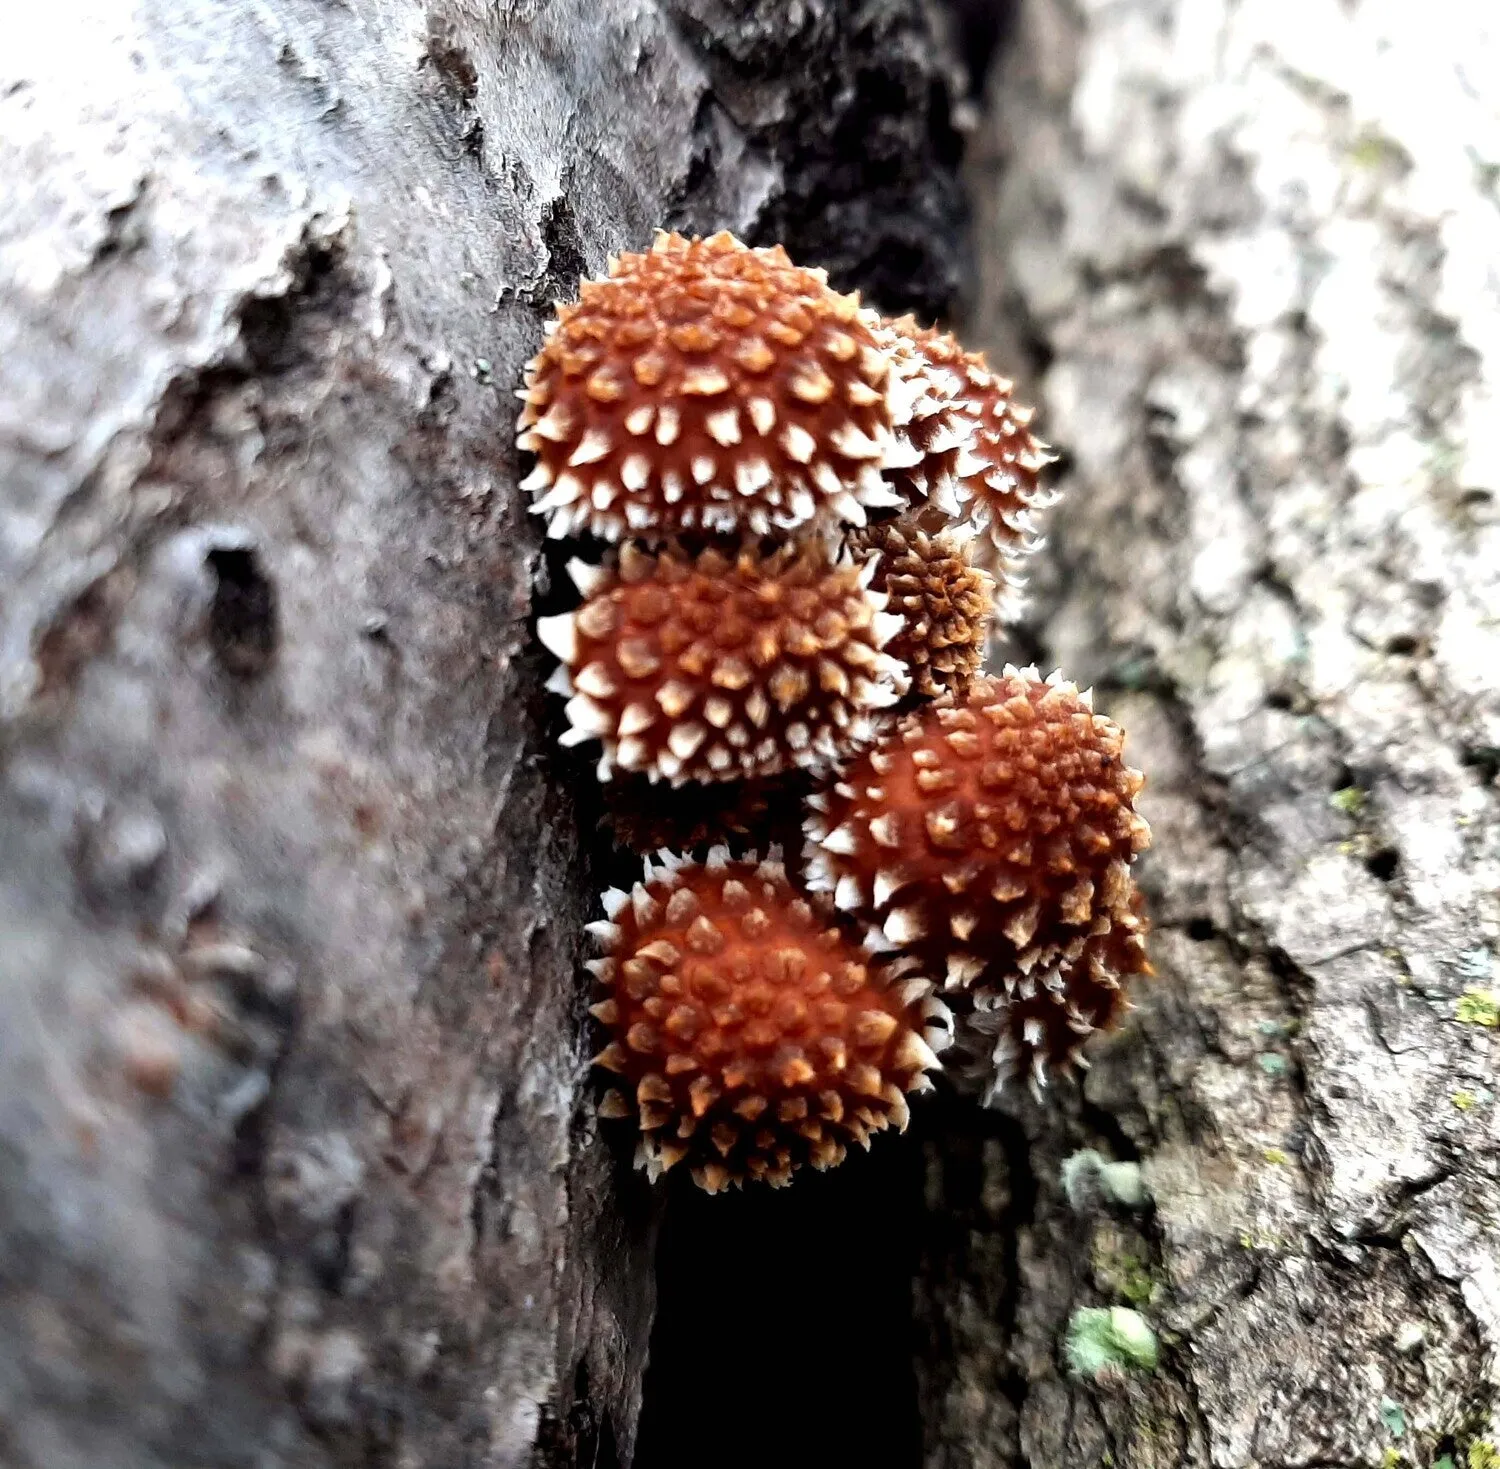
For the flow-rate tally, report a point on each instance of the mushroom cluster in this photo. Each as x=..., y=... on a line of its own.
x=797, y=524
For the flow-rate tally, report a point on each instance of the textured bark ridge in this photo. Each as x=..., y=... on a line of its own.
x=1250, y=253
x=297, y=1162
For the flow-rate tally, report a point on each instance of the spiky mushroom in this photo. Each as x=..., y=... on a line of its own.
x=718, y=668
x=980, y=461
x=993, y=837
x=749, y=1034
x=946, y=603
x=708, y=386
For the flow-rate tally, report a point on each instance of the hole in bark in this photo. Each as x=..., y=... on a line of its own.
x=242, y=619
x=1200, y=930
x=1279, y=699
x=1383, y=864
x=1403, y=644
x=565, y=259
x=1483, y=758
x=276, y=331
x=788, y=1307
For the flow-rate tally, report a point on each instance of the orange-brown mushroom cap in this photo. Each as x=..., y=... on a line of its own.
x=722, y=668
x=708, y=386
x=749, y=1033
x=992, y=837
x=979, y=462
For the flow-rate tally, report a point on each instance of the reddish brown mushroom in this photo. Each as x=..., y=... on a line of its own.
x=992, y=837
x=708, y=386
x=749, y=1034
x=720, y=668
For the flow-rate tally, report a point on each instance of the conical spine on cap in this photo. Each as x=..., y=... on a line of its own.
x=705, y=386
x=720, y=667
x=992, y=837
x=748, y=1034
x=945, y=601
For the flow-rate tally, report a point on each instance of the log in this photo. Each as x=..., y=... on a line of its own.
x=1243, y=257
x=298, y=1163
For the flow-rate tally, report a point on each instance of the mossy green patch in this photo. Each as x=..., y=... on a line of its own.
x=1479, y=1007
x=1101, y=1338
x=1120, y=1183
x=1351, y=800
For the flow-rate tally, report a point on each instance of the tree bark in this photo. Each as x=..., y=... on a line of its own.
x=1248, y=252
x=297, y=1157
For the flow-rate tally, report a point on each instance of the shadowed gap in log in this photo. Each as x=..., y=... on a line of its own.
x=784, y=1325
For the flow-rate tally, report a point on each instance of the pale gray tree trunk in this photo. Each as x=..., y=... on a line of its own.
x=1244, y=256
x=297, y=1159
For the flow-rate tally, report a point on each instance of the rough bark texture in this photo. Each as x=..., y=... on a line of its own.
x=1248, y=251
x=297, y=1165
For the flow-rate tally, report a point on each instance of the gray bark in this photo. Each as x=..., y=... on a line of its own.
x=1248, y=251
x=297, y=1161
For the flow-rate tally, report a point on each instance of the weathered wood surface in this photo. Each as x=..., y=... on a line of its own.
x=1247, y=255
x=297, y=1165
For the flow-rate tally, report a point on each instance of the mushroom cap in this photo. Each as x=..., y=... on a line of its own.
x=749, y=1034
x=945, y=601
x=721, y=667
x=980, y=461
x=708, y=386
x=991, y=836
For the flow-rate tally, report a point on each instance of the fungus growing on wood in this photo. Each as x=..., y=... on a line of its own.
x=707, y=386
x=944, y=600
x=729, y=420
x=992, y=837
x=719, y=668
x=749, y=1034
x=980, y=461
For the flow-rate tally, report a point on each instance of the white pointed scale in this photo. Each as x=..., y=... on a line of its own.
x=559, y=635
